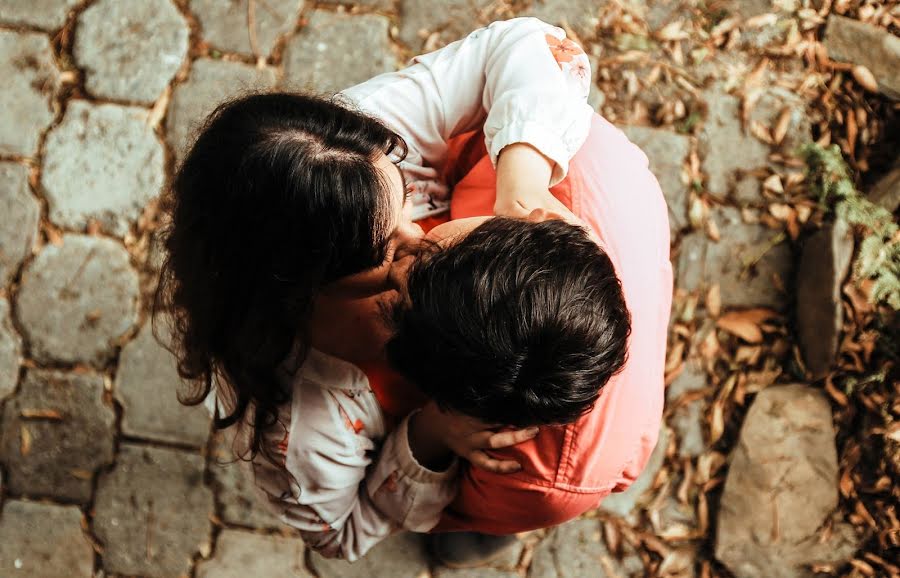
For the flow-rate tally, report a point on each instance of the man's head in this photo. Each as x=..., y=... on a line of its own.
x=516, y=322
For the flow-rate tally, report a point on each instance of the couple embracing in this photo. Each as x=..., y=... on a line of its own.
x=499, y=373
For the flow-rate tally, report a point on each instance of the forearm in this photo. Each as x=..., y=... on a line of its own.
x=523, y=174
x=426, y=446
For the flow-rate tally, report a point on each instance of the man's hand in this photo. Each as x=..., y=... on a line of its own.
x=435, y=433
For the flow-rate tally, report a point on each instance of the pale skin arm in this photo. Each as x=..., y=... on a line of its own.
x=523, y=179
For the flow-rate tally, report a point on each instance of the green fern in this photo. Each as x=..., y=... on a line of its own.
x=878, y=257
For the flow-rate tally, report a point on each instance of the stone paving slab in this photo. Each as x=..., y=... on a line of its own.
x=19, y=226
x=210, y=83
x=118, y=160
x=449, y=19
x=729, y=262
x=240, y=503
x=785, y=459
x=10, y=352
x=46, y=14
x=147, y=384
x=442, y=572
x=667, y=152
x=877, y=49
x=400, y=556
x=30, y=81
x=722, y=134
x=225, y=25
x=152, y=512
x=335, y=51
x=77, y=299
x=57, y=431
x=130, y=49
x=242, y=554
x=43, y=541
x=575, y=550
x=582, y=16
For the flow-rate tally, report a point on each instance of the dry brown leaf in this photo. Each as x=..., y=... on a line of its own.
x=29, y=413
x=714, y=300
x=717, y=422
x=773, y=184
x=25, y=446
x=741, y=326
x=865, y=78
x=674, y=358
x=781, y=127
x=761, y=131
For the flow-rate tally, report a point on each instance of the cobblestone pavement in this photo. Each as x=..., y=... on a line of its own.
x=103, y=472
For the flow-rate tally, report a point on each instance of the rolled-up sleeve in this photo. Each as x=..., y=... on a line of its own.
x=522, y=79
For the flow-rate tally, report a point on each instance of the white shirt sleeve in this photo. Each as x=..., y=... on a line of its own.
x=344, y=482
x=522, y=79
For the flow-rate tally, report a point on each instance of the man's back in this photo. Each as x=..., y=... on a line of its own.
x=567, y=470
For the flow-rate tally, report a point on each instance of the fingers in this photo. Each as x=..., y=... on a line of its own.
x=481, y=460
x=511, y=438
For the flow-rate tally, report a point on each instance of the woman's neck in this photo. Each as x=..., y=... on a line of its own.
x=351, y=329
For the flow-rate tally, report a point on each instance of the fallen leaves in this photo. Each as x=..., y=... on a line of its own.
x=746, y=324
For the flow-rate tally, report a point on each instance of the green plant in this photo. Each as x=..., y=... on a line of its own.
x=878, y=257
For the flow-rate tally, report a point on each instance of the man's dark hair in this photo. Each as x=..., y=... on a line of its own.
x=519, y=323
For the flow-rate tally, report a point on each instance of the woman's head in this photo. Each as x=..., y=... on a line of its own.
x=281, y=197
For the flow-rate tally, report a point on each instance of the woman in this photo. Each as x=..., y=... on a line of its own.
x=286, y=216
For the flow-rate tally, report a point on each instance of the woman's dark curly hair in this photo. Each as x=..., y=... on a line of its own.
x=278, y=196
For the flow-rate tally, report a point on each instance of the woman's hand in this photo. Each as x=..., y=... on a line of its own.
x=435, y=434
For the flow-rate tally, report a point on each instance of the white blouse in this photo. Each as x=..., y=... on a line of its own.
x=344, y=481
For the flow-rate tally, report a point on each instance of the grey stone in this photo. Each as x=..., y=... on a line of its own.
x=10, y=352
x=118, y=160
x=130, y=49
x=721, y=137
x=687, y=421
x=574, y=550
x=886, y=192
x=661, y=12
x=147, y=383
x=400, y=556
x=241, y=503
x=242, y=554
x=211, y=82
x=692, y=378
x=442, y=572
x=46, y=14
x=874, y=47
x=768, y=109
x=583, y=16
x=57, y=431
x=335, y=51
x=748, y=8
x=824, y=264
x=225, y=24
x=152, y=512
x=667, y=152
x=76, y=300
x=743, y=262
x=30, y=81
x=624, y=503
x=43, y=540
x=381, y=5
x=450, y=20
x=19, y=226
x=781, y=487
